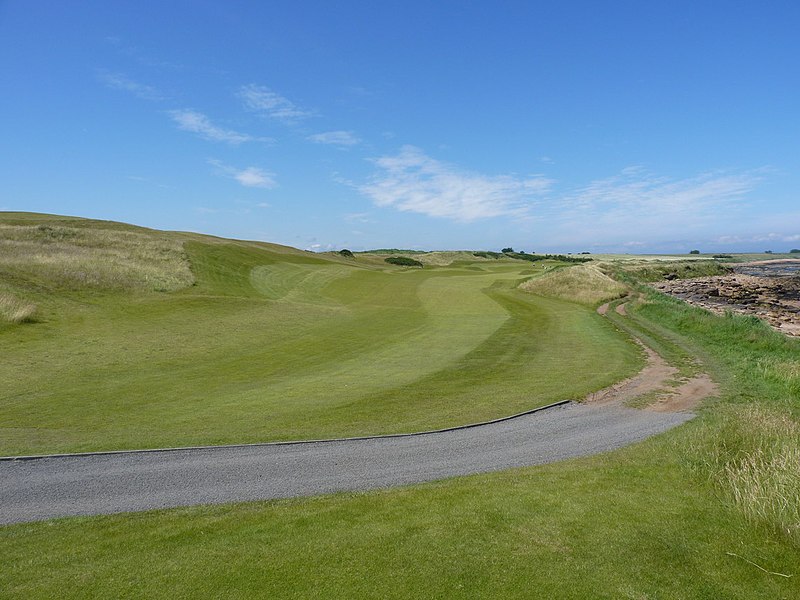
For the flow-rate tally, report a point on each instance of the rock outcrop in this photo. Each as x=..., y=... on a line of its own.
x=776, y=300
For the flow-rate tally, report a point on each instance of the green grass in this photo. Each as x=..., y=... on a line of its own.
x=626, y=525
x=699, y=512
x=268, y=343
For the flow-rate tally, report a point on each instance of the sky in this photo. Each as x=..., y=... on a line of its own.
x=600, y=126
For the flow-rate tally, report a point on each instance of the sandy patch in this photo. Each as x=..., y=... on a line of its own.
x=651, y=378
x=654, y=386
x=686, y=396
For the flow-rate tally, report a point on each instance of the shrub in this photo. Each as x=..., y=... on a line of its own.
x=537, y=257
x=722, y=256
x=507, y=250
x=694, y=252
x=794, y=251
x=346, y=253
x=403, y=261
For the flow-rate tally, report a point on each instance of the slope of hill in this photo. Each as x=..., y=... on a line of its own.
x=142, y=338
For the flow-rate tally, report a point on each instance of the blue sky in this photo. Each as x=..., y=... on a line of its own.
x=561, y=126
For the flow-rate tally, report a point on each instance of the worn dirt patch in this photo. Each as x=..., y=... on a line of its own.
x=686, y=396
x=654, y=384
x=651, y=378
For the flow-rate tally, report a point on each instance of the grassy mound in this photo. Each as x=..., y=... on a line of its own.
x=76, y=258
x=585, y=284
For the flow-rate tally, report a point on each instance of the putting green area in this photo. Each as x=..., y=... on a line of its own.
x=241, y=342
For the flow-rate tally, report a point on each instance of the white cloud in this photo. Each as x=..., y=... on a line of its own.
x=412, y=181
x=654, y=209
x=776, y=237
x=248, y=177
x=118, y=81
x=640, y=193
x=336, y=138
x=745, y=241
x=641, y=202
x=358, y=218
x=321, y=247
x=197, y=122
x=263, y=100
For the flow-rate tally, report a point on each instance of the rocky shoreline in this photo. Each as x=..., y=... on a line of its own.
x=769, y=291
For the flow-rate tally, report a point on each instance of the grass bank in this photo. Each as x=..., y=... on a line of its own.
x=585, y=284
x=671, y=517
x=748, y=447
x=269, y=343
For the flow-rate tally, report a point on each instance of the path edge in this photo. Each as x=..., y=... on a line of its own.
x=289, y=442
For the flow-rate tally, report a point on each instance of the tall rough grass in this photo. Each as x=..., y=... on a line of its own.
x=77, y=258
x=753, y=457
x=586, y=284
x=655, y=271
x=14, y=310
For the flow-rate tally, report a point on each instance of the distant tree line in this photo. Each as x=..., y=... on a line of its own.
x=393, y=251
x=509, y=252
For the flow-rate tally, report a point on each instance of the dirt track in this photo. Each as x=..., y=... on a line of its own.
x=658, y=381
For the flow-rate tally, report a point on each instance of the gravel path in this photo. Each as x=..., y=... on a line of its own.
x=32, y=490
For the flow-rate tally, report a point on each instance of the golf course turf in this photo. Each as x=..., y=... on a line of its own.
x=707, y=510
x=276, y=344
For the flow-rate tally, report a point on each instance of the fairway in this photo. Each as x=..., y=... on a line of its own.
x=180, y=339
x=270, y=343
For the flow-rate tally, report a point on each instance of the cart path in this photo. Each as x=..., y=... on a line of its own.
x=32, y=490
x=71, y=485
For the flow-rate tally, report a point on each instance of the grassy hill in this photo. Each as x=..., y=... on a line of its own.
x=709, y=510
x=142, y=338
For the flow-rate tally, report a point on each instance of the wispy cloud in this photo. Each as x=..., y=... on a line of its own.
x=321, y=247
x=637, y=198
x=651, y=207
x=412, y=181
x=758, y=238
x=118, y=81
x=358, y=218
x=197, y=122
x=335, y=138
x=248, y=177
x=264, y=101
